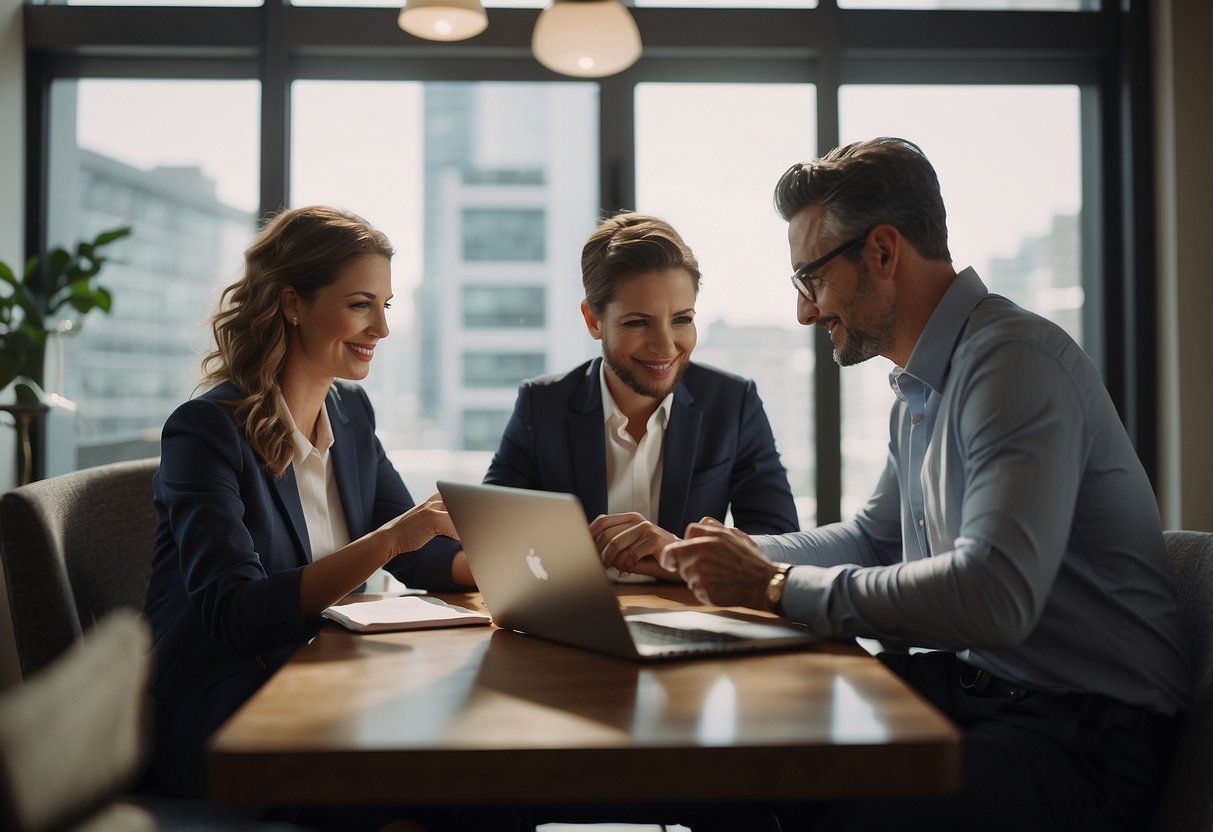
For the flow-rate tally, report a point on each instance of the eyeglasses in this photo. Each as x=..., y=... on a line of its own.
x=803, y=278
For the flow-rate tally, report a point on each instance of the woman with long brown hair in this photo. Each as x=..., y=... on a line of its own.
x=275, y=496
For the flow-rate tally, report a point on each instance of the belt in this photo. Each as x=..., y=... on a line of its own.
x=1104, y=711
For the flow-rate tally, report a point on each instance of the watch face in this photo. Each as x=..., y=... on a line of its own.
x=775, y=588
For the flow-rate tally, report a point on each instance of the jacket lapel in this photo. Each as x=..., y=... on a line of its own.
x=284, y=489
x=587, y=446
x=345, y=465
x=286, y=492
x=678, y=460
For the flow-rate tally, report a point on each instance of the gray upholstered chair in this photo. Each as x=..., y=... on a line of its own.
x=1187, y=803
x=75, y=547
x=65, y=758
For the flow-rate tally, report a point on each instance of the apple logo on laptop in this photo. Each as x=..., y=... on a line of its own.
x=536, y=566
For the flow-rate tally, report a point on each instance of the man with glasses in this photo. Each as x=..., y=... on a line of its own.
x=1013, y=532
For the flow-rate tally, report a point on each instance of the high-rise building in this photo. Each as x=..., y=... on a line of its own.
x=780, y=362
x=510, y=196
x=127, y=371
x=1043, y=275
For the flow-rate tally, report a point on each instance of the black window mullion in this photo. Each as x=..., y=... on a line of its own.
x=827, y=385
x=617, y=143
x=38, y=75
x=275, y=108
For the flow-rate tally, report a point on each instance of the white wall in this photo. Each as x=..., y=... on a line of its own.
x=12, y=232
x=1183, y=79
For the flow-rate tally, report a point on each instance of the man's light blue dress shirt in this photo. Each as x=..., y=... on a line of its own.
x=1013, y=522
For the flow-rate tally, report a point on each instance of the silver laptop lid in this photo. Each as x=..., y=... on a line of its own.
x=539, y=572
x=536, y=565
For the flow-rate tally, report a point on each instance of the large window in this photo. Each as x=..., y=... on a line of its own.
x=1013, y=198
x=482, y=430
x=501, y=369
x=707, y=160
x=504, y=307
x=503, y=234
x=488, y=172
x=177, y=162
x=481, y=187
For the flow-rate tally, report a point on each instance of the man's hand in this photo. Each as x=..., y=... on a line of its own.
x=722, y=566
x=630, y=543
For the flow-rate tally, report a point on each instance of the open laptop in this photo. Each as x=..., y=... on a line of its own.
x=539, y=573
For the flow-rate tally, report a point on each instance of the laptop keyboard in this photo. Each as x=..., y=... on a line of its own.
x=658, y=635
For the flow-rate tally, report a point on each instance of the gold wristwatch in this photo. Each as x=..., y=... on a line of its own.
x=776, y=586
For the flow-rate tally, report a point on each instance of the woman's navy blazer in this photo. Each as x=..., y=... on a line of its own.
x=719, y=450
x=231, y=544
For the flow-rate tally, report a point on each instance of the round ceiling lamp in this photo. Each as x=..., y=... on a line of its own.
x=586, y=38
x=443, y=19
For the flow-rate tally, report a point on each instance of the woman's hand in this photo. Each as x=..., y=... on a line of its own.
x=417, y=526
x=630, y=543
x=327, y=580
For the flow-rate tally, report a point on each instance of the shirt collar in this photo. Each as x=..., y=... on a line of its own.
x=933, y=353
x=303, y=446
x=614, y=418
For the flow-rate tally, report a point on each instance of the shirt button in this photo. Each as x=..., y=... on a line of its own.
x=915, y=419
x=921, y=522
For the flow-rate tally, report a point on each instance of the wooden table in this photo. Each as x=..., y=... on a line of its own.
x=482, y=714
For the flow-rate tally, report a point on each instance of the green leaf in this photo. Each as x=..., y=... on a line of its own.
x=105, y=301
x=54, y=275
x=83, y=297
x=107, y=237
x=59, y=279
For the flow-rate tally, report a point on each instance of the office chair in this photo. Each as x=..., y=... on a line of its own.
x=71, y=736
x=78, y=547
x=1187, y=801
x=75, y=547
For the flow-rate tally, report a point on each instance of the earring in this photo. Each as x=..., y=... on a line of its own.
x=295, y=321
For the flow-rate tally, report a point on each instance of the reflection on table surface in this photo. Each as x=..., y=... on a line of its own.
x=488, y=714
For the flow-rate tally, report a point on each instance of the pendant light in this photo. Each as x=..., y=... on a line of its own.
x=443, y=19
x=586, y=38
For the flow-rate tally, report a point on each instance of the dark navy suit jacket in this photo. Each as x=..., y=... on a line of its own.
x=223, y=600
x=719, y=450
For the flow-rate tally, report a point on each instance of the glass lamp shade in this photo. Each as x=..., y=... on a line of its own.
x=586, y=38
x=443, y=19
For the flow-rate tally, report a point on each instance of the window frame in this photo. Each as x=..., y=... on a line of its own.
x=1105, y=53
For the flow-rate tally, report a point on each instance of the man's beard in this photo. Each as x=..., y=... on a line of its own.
x=635, y=384
x=864, y=342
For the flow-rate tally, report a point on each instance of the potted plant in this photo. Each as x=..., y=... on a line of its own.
x=35, y=303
